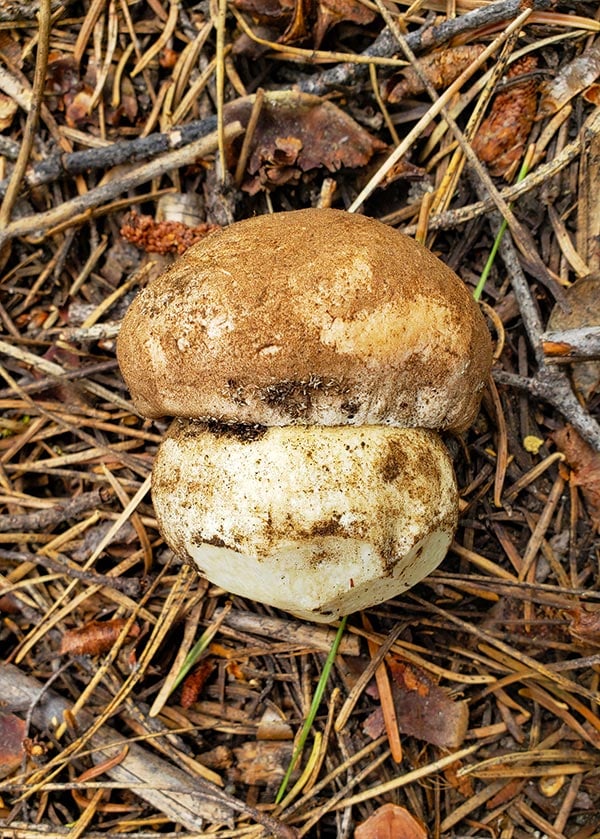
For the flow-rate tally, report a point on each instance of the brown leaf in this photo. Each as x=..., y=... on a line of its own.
x=424, y=710
x=582, y=298
x=585, y=626
x=12, y=751
x=592, y=94
x=502, y=136
x=263, y=763
x=332, y=12
x=78, y=107
x=585, y=465
x=95, y=637
x=571, y=80
x=441, y=68
x=390, y=822
x=274, y=12
x=463, y=783
x=306, y=19
x=8, y=109
x=299, y=25
x=297, y=133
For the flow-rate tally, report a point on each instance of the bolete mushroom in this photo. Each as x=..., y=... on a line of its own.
x=309, y=359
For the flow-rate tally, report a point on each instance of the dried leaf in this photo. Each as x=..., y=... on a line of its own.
x=571, y=80
x=305, y=19
x=582, y=298
x=78, y=107
x=441, y=68
x=592, y=94
x=390, y=822
x=12, y=751
x=332, y=12
x=502, y=136
x=263, y=763
x=95, y=637
x=8, y=109
x=297, y=133
x=423, y=709
x=463, y=784
x=585, y=626
x=273, y=12
x=585, y=464
x=62, y=74
x=273, y=726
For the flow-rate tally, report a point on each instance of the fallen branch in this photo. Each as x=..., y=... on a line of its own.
x=548, y=383
x=187, y=801
x=58, y=514
x=385, y=45
x=78, y=209
x=153, y=779
x=583, y=342
x=115, y=154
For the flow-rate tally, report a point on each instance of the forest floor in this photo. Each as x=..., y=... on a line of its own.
x=467, y=707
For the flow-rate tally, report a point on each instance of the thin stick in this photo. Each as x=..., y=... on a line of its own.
x=432, y=113
x=33, y=116
x=117, y=186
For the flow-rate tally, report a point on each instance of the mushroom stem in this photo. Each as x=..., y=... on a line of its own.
x=320, y=522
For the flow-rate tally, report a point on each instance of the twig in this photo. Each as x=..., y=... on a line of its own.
x=553, y=387
x=520, y=234
x=385, y=45
x=180, y=799
x=41, y=519
x=26, y=9
x=548, y=383
x=566, y=343
x=59, y=564
x=77, y=209
x=124, y=151
x=461, y=215
x=33, y=116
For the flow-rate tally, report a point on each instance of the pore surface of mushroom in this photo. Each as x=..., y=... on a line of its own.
x=308, y=357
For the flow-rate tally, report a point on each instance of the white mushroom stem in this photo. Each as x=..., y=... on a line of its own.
x=317, y=521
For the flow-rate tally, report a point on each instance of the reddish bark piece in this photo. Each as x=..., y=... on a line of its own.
x=440, y=67
x=162, y=236
x=12, y=751
x=95, y=637
x=193, y=684
x=297, y=133
x=585, y=465
x=502, y=136
x=423, y=709
x=390, y=822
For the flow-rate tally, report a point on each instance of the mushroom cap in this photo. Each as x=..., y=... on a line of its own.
x=315, y=317
x=319, y=522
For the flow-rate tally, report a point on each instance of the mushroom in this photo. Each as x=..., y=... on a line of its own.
x=309, y=359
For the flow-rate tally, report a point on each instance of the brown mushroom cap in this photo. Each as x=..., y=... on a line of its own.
x=309, y=317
